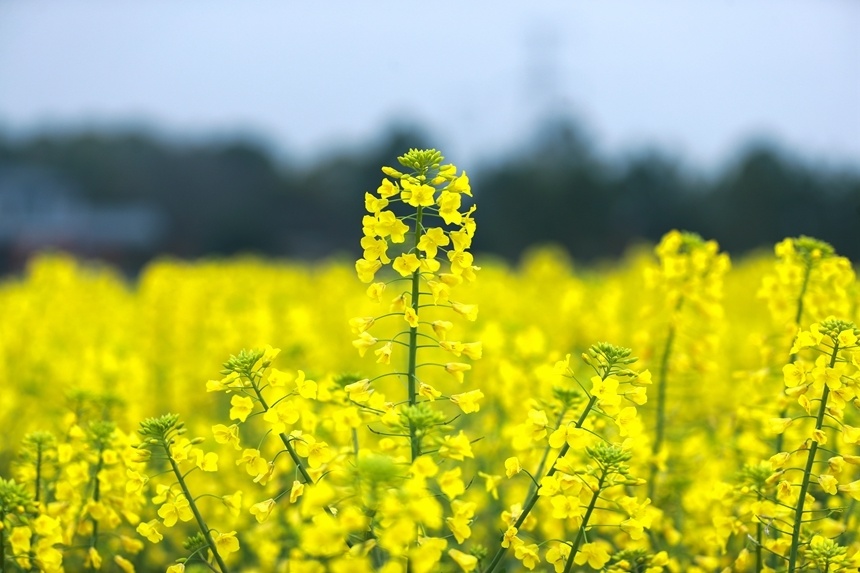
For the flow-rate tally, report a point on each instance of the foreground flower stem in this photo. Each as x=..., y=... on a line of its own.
x=207, y=535
x=414, y=444
x=807, y=473
x=580, y=535
x=306, y=477
x=661, y=399
x=96, y=497
x=797, y=318
x=286, y=440
x=500, y=553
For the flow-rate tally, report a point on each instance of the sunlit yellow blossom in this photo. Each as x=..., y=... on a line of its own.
x=431, y=240
x=411, y=317
x=387, y=189
x=254, y=463
x=360, y=324
x=456, y=447
x=383, y=354
x=406, y=264
x=178, y=509
x=366, y=269
x=281, y=416
x=226, y=543
x=149, y=529
x=449, y=207
x=468, y=402
x=363, y=342
x=262, y=510
x=428, y=391
x=528, y=554
x=470, y=311
x=374, y=291
x=466, y=562
x=456, y=369
x=592, y=553
x=417, y=195
x=374, y=204
x=512, y=467
x=828, y=483
x=296, y=491
x=451, y=484
x=242, y=406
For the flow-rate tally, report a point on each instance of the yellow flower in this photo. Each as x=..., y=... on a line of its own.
x=374, y=204
x=512, y=467
x=468, y=401
x=176, y=568
x=307, y=388
x=383, y=354
x=233, y=502
x=123, y=563
x=406, y=264
x=431, y=240
x=366, y=269
x=296, y=491
x=149, y=530
x=178, y=509
x=363, y=342
x=242, y=406
x=135, y=481
x=262, y=510
x=227, y=435
x=360, y=324
x=456, y=369
x=451, y=484
x=470, y=311
x=281, y=415
x=528, y=554
x=226, y=543
x=387, y=189
x=456, y=448
x=428, y=391
x=417, y=195
x=592, y=553
x=374, y=291
x=466, y=562
x=828, y=483
x=254, y=464
x=411, y=317
x=375, y=250
x=449, y=207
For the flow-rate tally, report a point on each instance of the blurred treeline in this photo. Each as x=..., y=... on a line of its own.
x=223, y=198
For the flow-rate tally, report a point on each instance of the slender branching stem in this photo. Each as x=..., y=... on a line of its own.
x=807, y=473
x=532, y=499
x=412, y=386
x=207, y=535
x=580, y=535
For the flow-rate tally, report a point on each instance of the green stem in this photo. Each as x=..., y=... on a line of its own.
x=759, y=562
x=412, y=386
x=96, y=496
x=799, y=315
x=532, y=500
x=306, y=477
x=580, y=535
x=200, y=523
x=38, y=472
x=662, y=382
x=797, y=318
x=807, y=473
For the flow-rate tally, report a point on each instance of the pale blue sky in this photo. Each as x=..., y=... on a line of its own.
x=695, y=77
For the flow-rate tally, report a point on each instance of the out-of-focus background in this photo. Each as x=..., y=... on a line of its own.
x=132, y=130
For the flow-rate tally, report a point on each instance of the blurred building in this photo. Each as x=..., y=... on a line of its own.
x=41, y=211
